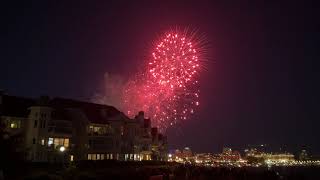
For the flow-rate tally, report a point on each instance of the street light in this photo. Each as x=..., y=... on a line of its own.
x=62, y=149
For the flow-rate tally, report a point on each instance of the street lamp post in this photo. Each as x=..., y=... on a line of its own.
x=62, y=149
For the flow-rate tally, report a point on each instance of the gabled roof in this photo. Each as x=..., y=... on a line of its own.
x=15, y=106
x=96, y=113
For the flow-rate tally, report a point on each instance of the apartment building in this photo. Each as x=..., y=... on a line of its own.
x=58, y=129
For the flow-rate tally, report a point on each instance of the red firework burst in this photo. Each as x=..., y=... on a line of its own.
x=167, y=89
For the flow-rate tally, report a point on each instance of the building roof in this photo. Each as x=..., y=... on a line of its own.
x=60, y=114
x=96, y=113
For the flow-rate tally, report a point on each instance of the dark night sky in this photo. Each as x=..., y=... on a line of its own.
x=262, y=79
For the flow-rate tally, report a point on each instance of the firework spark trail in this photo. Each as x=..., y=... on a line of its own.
x=167, y=89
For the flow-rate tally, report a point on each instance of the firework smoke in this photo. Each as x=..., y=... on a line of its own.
x=167, y=87
x=112, y=91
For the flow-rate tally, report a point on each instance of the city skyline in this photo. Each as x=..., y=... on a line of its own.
x=259, y=85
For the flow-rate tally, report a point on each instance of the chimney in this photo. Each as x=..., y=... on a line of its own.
x=140, y=117
x=141, y=114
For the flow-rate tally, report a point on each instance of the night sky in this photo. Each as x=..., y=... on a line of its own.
x=261, y=82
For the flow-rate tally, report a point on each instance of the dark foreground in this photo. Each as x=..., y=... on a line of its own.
x=103, y=170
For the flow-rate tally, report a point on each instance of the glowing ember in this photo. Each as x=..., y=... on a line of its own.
x=167, y=88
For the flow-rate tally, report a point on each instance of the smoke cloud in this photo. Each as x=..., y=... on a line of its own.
x=113, y=86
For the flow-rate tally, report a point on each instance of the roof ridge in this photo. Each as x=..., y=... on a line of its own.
x=79, y=101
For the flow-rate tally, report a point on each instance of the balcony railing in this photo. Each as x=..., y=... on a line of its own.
x=99, y=134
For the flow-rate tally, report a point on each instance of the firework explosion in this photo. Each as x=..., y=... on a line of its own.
x=167, y=88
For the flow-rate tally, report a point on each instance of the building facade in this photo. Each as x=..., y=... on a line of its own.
x=51, y=130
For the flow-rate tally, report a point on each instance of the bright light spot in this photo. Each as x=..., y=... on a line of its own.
x=62, y=149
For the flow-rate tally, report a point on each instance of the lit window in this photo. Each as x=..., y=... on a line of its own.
x=94, y=156
x=99, y=130
x=61, y=140
x=90, y=129
x=98, y=156
x=66, y=142
x=89, y=156
x=102, y=156
x=71, y=158
x=15, y=124
x=96, y=129
x=56, y=142
x=50, y=141
x=12, y=125
x=42, y=141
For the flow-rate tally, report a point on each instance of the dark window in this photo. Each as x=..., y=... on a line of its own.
x=44, y=123
x=34, y=140
x=35, y=123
